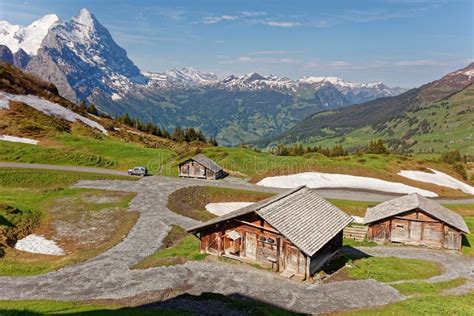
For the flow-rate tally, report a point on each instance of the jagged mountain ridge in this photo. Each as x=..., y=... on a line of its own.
x=81, y=58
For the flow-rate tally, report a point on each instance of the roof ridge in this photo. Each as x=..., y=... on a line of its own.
x=280, y=197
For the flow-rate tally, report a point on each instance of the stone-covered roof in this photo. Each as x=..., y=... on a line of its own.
x=411, y=202
x=301, y=215
x=206, y=162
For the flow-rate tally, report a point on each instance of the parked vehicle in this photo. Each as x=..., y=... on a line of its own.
x=138, y=171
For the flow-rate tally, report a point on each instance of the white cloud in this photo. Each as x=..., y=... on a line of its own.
x=282, y=23
x=253, y=13
x=217, y=19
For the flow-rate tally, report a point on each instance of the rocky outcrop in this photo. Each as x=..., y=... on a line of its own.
x=6, y=54
x=21, y=59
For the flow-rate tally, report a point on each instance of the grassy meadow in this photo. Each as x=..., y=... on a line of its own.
x=191, y=201
x=80, y=149
x=425, y=305
x=85, y=151
x=41, y=198
x=178, y=247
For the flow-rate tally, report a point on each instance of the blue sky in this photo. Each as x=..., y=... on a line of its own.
x=400, y=42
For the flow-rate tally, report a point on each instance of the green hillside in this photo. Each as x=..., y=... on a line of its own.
x=434, y=118
x=64, y=143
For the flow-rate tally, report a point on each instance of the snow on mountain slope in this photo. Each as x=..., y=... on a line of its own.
x=81, y=58
x=29, y=37
x=339, y=82
x=185, y=77
x=356, y=92
x=48, y=108
x=255, y=81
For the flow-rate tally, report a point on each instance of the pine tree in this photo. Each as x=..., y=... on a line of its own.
x=83, y=106
x=178, y=135
x=92, y=109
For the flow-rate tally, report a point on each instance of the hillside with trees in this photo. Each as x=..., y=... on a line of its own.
x=434, y=118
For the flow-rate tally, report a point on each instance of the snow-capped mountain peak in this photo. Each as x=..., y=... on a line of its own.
x=28, y=38
x=82, y=59
x=339, y=82
x=85, y=18
x=184, y=77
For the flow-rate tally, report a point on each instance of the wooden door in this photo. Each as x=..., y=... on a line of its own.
x=291, y=261
x=251, y=246
x=452, y=240
x=415, y=231
x=399, y=231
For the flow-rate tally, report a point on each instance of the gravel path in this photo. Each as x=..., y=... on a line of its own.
x=108, y=276
x=231, y=182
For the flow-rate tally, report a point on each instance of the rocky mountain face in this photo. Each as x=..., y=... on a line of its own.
x=81, y=58
x=19, y=59
x=433, y=118
x=6, y=54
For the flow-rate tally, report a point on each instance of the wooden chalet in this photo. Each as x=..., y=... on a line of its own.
x=200, y=167
x=294, y=233
x=415, y=220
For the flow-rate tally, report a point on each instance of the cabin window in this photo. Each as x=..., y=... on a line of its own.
x=262, y=238
x=400, y=226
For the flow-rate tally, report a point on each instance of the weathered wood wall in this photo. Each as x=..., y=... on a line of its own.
x=415, y=228
x=261, y=243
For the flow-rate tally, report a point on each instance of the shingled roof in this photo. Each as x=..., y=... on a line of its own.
x=301, y=215
x=415, y=201
x=207, y=162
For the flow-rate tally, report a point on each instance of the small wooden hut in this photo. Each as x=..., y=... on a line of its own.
x=200, y=167
x=415, y=220
x=294, y=233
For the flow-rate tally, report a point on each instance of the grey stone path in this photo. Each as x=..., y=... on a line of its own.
x=108, y=276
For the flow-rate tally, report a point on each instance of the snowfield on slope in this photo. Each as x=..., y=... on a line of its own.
x=220, y=209
x=48, y=108
x=15, y=139
x=438, y=178
x=38, y=244
x=318, y=180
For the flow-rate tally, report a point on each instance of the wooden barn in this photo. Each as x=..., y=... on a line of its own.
x=200, y=167
x=415, y=220
x=294, y=233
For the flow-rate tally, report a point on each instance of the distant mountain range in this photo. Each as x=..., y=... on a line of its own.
x=436, y=117
x=81, y=58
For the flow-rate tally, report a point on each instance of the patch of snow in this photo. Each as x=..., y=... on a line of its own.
x=318, y=180
x=358, y=219
x=133, y=132
x=438, y=178
x=220, y=209
x=116, y=96
x=38, y=244
x=15, y=139
x=48, y=108
x=469, y=73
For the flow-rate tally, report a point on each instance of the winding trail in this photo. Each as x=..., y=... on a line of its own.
x=108, y=276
